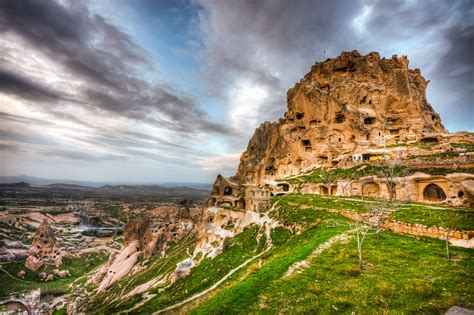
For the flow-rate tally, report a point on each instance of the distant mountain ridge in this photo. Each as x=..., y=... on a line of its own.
x=71, y=183
x=73, y=190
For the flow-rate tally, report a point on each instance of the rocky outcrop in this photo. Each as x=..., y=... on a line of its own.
x=348, y=111
x=344, y=105
x=145, y=237
x=44, y=249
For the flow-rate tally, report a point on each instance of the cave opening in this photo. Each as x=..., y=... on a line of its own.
x=433, y=192
x=340, y=118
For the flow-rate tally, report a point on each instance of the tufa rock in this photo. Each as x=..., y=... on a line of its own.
x=353, y=111
x=343, y=105
x=44, y=249
x=146, y=236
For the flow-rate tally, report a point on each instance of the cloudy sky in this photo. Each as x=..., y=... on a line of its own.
x=156, y=91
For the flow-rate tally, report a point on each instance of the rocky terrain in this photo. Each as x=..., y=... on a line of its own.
x=357, y=201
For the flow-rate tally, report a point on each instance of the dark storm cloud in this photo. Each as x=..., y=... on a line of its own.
x=250, y=36
x=183, y=114
x=84, y=42
x=454, y=75
x=105, y=59
x=13, y=84
x=8, y=147
x=275, y=42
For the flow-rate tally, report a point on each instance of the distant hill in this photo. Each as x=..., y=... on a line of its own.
x=46, y=181
x=65, y=183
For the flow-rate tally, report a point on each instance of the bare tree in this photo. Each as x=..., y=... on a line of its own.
x=361, y=230
x=327, y=178
x=392, y=172
x=450, y=222
x=346, y=185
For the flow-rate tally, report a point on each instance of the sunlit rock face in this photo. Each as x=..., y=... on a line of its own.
x=44, y=249
x=351, y=111
x=145, y=237
x=343, y=105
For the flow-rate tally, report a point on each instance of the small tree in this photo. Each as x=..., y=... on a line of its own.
x=346, y=185
x=361, y=230
x=450, y=221
x=327, y=178
x=391, y=172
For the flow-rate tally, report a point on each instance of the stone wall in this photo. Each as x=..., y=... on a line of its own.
x=400, y=226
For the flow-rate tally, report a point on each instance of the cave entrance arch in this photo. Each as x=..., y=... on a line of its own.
x=323, y=190
x=241, y=203
x=434, y=193
x=371, y=190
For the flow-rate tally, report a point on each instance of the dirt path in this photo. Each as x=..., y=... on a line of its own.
x=300, y=265
x=202, y=293
x=269, y=225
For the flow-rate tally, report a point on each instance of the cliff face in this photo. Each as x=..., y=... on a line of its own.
x=146, y=236
x=343, y=106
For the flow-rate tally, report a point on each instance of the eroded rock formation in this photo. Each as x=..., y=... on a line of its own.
x=145, y=237
x=347, y=111
x=44, y=249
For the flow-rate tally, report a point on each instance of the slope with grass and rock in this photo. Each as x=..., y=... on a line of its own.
x=357, y=201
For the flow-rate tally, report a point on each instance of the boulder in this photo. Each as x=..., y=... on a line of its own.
x=63, y=274
x=33, y=263
x=42, y=276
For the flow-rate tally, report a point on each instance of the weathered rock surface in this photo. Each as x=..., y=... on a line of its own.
x=348, y=111
x=145, y=237
x=343, y=105
x=44, y=249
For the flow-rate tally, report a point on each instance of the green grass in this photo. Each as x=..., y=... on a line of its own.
x=76, y=266
x=243, y=296
x=430, y=215
x=464, y=147
x=402, y=275
x=326, y=202
x=461, y=218
x=320, y=175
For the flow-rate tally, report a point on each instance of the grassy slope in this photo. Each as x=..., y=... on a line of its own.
x=402, y=274
x=156, y=267
x=397, y=267
x=209, y=271
x=76, y=266
x=244, y=296
x=439, y=215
